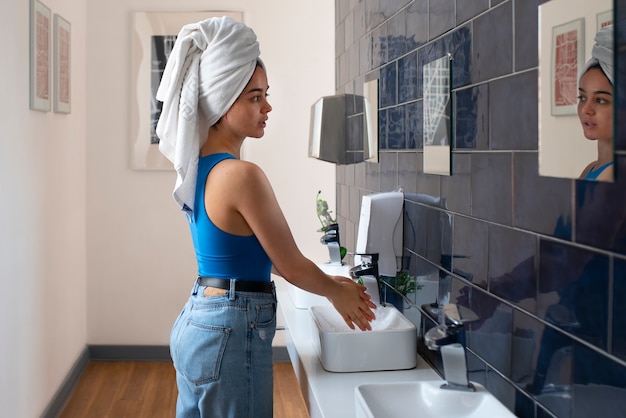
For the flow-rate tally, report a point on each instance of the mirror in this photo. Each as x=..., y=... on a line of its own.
x=370, y=92
x=567, y=32
x=344, y=127
x=436, y=116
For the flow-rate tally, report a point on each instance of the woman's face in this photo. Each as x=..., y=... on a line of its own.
x=595, y=105
x=248, y=115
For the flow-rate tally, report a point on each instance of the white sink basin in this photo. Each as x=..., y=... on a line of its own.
x=425, y=399
x=304, y=300
x=390, y=345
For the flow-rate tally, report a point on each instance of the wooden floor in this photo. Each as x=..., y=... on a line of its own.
x=148, y=389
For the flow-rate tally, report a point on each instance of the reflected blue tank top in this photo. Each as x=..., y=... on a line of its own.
x=595, y=172
x=220, y=254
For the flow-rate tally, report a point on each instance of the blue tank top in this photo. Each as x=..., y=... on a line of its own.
x=595, y=172
x=220, y=254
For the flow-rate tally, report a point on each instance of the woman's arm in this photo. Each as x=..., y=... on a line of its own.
x=250, y=194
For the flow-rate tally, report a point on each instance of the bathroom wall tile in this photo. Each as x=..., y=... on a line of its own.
x=526, y=15
x=427, y=183
x=501, y=388
x=413, y=125
x=348, y=32
x=388, y=162
x=407, y=172
x=600, y=211
x=491, y=336
x=470, y=250
x=365, y=53
x=492, y=187
x=407, y=78
x=441, y=17
x=343, y=69
x=459, y=44
x=527, y=333
x=387, y=87
x=512, y=266
x=541, y=204
x=618, y=336
x=353, y=61
x=493, y=43
x=581, y=278
x=396, y=134
x=379, y=46
x=373, y=13
x=439, y=242
x=340, y=45
x=471, y=116
x=416, y=24
x=415, y=228
x=514, y=112
x=466, y=10
x=396, y=36
x=599, y=384
x=455, y=189
x=382, y=129
x=358, y=21
x=372, y=176
x=342, y=8
x=577, y=223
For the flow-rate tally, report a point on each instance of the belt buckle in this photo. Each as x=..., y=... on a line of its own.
x=210, y=292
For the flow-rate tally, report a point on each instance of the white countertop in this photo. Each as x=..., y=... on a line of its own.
x=328, y=394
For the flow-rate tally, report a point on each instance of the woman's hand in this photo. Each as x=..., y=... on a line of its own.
x=353, y=304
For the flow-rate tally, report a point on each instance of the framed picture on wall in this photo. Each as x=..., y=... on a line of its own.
x=39, y=50
x=604, y=19
x=154, y=34
x=568, y=55
x=62, y=61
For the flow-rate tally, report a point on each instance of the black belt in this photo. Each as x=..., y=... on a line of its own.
x=240, y=285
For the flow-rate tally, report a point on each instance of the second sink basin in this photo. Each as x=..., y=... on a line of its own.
x=390, y=345
x=427, y=400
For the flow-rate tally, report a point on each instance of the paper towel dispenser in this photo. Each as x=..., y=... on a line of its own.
x=344, y=128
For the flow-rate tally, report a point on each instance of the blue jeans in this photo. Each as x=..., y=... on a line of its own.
x=222, y=352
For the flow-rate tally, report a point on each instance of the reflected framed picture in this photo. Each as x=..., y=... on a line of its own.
x=62, y=61
x=40, y=57
x=604, y=19
x=154, y=34
x=568, y=56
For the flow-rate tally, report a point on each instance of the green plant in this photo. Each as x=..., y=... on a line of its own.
x=323, y=214
x=326, y=220
x=406, y=284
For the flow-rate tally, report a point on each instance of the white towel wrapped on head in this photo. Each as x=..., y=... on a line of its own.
x=601, y=53
x=208, y=68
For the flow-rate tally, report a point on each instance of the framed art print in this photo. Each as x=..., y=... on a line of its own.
x=39, y=50
x=568, y=52
x=62, y=61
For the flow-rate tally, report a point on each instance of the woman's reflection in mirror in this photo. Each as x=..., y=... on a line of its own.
x=595, y=105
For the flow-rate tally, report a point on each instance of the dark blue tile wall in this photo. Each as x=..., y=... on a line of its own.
x=541, y=260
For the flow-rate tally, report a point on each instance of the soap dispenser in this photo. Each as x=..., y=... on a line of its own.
x=381, y=230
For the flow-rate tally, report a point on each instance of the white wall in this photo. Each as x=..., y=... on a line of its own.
x=139, y=255
x=42, y=222
x=92, y=252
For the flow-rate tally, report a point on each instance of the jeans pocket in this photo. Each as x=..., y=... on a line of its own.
x=265, y=322
x=200, y=350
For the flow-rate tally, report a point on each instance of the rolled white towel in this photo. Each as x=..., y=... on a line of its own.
x=209, y=66
x=601, y=53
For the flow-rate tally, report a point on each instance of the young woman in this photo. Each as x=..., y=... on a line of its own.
x=221, y=343
x=595, y=105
